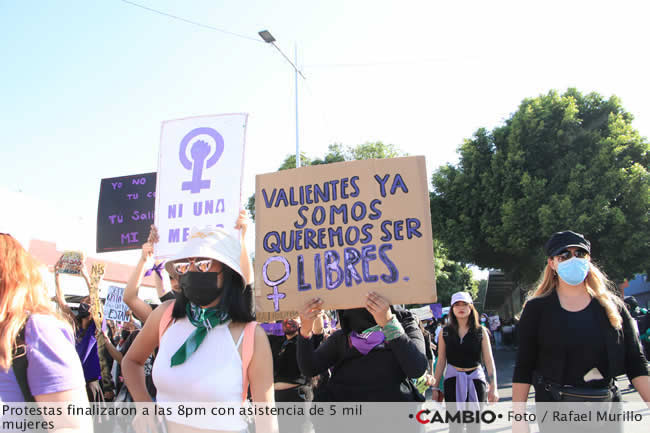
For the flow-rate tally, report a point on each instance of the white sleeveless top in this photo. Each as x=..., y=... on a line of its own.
x=211, y=375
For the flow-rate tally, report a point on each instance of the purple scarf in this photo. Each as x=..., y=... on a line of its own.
x=365, y=342
x=465, y=389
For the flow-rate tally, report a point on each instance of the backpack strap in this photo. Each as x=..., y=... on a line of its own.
x=165, y=321
x=19, y=365
x=247, y=354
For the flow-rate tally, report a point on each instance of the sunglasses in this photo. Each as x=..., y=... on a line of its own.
x=183, y=266
x=566, y=255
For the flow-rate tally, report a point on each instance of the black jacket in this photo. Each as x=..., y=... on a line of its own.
x=540, y=325
x=381, y=375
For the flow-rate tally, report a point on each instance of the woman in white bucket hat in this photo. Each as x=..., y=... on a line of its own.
x=463, y=345
x=210, y=348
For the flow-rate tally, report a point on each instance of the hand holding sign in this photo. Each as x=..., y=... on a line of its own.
x=308, y=314
x=153, y=235
x=379, y=307
x=147, y=251
x=242, y=223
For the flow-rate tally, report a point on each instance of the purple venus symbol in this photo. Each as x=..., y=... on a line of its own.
x=276, y=295
x=199, y=152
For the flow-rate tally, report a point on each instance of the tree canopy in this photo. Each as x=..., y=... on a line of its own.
x=560, y=162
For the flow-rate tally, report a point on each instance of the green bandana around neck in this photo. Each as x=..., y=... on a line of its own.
x=203, y=319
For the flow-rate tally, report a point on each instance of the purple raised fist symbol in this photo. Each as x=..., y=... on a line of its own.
x=199, y=152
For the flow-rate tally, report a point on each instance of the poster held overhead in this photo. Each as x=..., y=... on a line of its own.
x=125, y=212
x=114, y=307
x=200, y=168
x=71, y=262
x=338, y=231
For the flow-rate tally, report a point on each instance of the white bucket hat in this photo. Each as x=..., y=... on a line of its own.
x=210, y=242
x=461, y=296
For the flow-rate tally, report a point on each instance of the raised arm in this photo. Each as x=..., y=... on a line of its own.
x=244, y=260
x=141, y=309
x=312, y=361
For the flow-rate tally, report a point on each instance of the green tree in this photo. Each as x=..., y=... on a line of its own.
x=373, y=150
x=480, y=297
x=290, y=161
x=335, y=153
x=451, y=276
x=569, y=161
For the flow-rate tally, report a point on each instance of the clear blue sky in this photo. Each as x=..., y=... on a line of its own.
x=85, y=85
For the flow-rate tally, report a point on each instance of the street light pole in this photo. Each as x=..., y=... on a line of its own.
x=268, y=38
x=296, y=83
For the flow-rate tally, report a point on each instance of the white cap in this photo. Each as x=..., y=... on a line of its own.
x=210, y=242
x=461, y=296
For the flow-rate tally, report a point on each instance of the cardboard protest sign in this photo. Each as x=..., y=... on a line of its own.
x=272, y=316
x=71, y=262
x=199, y=177
x=114, y=306
x=338, y=231
x=125, y=212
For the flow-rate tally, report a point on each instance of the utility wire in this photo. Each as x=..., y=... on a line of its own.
x=195, y=23
x=392, y=63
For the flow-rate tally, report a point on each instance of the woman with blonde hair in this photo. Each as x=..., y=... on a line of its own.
x=575, y=335
x=38, y=361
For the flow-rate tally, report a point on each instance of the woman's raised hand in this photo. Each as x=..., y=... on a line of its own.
x=242, y=223
x=308, y=314
x=379, y=307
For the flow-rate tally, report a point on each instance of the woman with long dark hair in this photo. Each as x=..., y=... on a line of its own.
x=204, y=337
x=463, y=344
x=575, y=334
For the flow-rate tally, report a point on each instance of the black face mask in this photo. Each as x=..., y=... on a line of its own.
x=84, y=311
x=358, y=319
x=200, y=287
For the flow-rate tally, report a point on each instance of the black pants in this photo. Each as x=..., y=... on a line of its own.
x=450, y=403
x=298, y=395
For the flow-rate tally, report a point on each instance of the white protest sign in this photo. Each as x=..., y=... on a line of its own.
x=115, y=308
x=200, y=167
x=422, y=313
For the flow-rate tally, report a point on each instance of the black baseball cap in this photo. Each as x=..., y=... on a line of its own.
x=562, y=240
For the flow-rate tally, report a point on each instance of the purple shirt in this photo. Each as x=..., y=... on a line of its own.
x=87, y=351
x=52, y=362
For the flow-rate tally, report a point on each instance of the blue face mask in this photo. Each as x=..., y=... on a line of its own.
x=573, y=271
